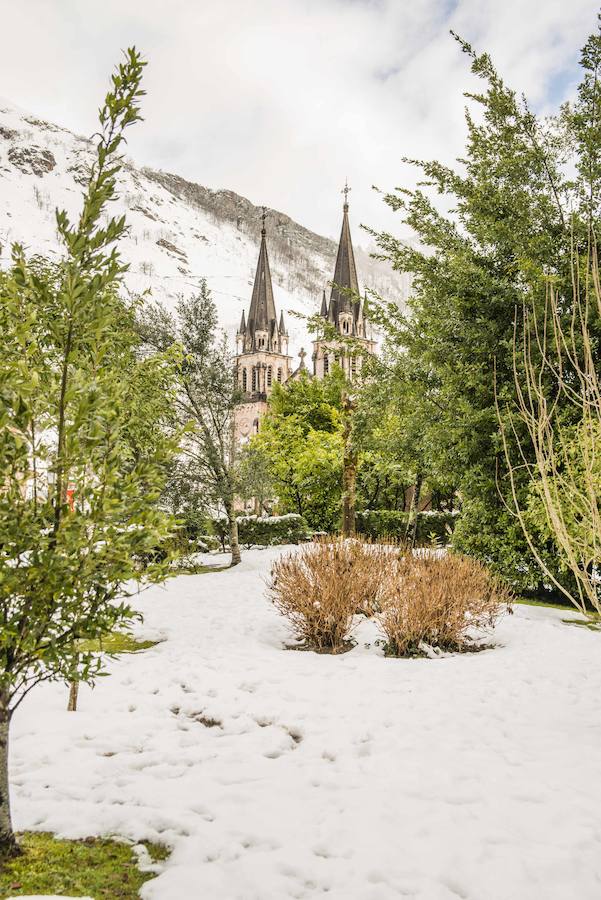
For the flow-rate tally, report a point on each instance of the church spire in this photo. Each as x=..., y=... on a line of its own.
x=345, y=285
x=324, y=306
x=261, y=314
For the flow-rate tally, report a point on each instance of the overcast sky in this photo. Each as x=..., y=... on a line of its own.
x=280, y=100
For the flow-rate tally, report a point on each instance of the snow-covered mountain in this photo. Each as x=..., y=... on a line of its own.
x=178, y=231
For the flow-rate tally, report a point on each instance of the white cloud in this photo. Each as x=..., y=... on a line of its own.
x=281, y=99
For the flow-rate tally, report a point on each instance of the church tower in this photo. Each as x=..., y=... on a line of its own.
x=261, y=349
x=344, y=312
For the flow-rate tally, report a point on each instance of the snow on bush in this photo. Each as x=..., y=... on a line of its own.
x=438, y=600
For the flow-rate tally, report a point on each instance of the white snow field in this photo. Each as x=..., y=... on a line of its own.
x=275, y=774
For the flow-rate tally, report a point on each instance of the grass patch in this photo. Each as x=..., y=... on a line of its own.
x=592, y=622
x=200, y=569
x=119, y=642
x=95, y=867
x=526, y=602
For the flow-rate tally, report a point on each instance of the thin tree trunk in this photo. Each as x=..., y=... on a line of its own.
x=233, y=525
x=411, y=532
x=349, y=485
x=349, y=473
x=73, y=694
x=8, y=842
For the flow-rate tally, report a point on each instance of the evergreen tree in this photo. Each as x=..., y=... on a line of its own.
x=515, y=213
x=81, y=469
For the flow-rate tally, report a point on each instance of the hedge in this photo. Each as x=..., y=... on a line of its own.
x=265, y=531
x=377, y=523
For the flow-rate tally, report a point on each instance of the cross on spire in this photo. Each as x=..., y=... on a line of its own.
x=263, y=217
x=345, y=190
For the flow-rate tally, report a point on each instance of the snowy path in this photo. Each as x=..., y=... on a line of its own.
x=352, y=777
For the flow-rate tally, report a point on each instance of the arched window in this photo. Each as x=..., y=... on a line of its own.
x=280, y=374
x=345, y=326
x=244, y=380
x=269, y=371
x=254, y=379
x=326, y=364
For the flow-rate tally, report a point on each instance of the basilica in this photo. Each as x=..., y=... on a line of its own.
x=262, y=340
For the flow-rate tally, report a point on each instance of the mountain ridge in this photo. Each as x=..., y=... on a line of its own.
x=178, y=231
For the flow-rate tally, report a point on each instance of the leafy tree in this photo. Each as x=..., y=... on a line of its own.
x=254, y=478
x=207, y=396
x=394, y=439
x=69, y=384
x=301, y=439
x=515, y=213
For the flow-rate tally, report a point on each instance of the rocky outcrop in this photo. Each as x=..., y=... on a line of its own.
x=32, y=160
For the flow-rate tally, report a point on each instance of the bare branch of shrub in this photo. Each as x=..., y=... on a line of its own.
x=556, y=370
x=436, y=600
x=320, y=587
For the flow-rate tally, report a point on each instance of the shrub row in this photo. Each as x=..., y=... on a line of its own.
x=265, y=531
x=419, y=599
x=392, y=523
x=262, y=531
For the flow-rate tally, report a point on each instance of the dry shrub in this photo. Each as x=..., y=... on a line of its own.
x=434, y=600
x=320, y=587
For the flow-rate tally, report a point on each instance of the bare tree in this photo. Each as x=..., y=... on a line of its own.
x=558, y=390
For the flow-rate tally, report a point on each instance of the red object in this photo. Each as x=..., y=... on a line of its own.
x=70, y=495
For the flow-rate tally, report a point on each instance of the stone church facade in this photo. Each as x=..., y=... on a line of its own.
x=262, y=339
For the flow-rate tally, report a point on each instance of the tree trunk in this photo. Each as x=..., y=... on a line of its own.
x=349, y=473
x=349, y=484
x=233, y=524
x=8, y=842
x=73, y=694
x=411, y=533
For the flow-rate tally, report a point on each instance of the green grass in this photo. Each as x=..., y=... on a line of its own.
x=564, y=606
x=119, y=642
x=96, y=867
x=592, y=621
x=198, y=570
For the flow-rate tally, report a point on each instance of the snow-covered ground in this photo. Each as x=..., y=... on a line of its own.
x=280, y=774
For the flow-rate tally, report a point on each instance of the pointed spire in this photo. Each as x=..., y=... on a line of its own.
x=242, y=328
x=262, y=312
x=282, y=327
x=324, y=306
x=345, y=272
